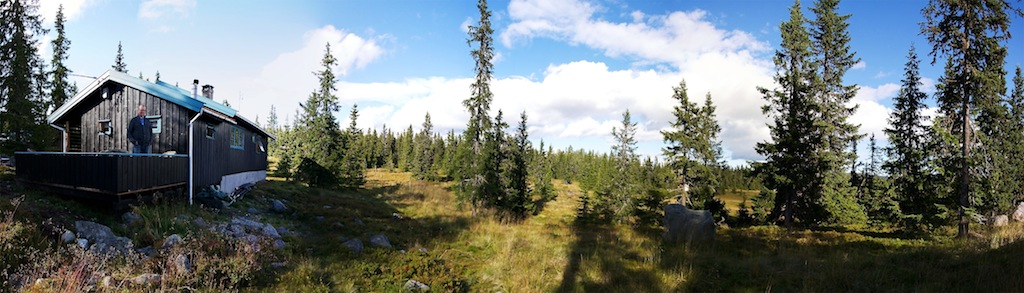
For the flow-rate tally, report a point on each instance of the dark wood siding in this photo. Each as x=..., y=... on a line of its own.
x=120, y=109
x=105, y=173
x=215, y=158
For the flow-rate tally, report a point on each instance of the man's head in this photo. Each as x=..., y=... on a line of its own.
x=142, y=110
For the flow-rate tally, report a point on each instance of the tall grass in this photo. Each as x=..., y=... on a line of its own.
x=439, y=243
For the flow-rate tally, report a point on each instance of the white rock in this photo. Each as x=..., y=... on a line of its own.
x=67, y=237
x=413, y=285
x=1018, y=214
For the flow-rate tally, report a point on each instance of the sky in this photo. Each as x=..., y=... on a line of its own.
x=574, y=66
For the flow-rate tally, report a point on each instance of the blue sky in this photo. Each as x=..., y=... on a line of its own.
x=572, y=65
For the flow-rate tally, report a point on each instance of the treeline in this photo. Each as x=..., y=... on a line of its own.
x=965, y=164
x=29, y=87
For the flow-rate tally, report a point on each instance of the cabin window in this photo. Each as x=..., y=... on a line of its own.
x=210, y=131
x=237, y=138
x=258, y=140
x=106, y=128
x=154, y=122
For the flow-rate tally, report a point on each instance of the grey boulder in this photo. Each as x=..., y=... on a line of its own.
x=67, y=237
x=380, y=240
x=171, y=241
x=415, y=286
x=271, y=232
x=102, y=238
x=355, y=245
x=278, y=206
x=688, y=226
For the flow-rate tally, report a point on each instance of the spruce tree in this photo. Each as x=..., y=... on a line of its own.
x=61, y=89
x=972, y=36
x=518, y=190
x=832, y=59
x=693, y=150
x=618, y=201
x=908, y=151
x=787, y=168
x=23, y=80
x=318, y=135
x=542, y=176
x=471, y=176
x=353, y=170
x=1014, y=135
x=119, y=64
x=424, y=161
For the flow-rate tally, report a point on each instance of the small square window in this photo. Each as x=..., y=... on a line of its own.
x=258, y=140
x=210, y=131
x=237, y=138
x=105, y=127
x=154, y=122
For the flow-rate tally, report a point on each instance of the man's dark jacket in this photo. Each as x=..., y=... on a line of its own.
x=139, y=134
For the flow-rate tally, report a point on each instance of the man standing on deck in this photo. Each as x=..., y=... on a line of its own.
x=140, y=133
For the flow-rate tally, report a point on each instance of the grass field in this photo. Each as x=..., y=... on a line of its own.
x=439, y=244
x=733, y=198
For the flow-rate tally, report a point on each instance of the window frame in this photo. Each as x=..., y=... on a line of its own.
x=210, y=131
x=106, y=127
x=258, y=140
x=237, y=139
x=155, y=123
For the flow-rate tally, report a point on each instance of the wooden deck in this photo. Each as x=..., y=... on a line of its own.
x=110, y=175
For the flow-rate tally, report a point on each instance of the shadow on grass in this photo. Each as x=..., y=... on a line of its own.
x=603, y=259
x=320, y=261
x=772, y=259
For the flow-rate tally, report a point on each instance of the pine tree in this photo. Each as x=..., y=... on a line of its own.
x=61, y=89
x=23, y=79
x=119, y=64
x=471, y=176
x=972, y=36
x=787, y=169
x=908, y=146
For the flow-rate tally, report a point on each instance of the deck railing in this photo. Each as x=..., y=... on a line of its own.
x=104, y=173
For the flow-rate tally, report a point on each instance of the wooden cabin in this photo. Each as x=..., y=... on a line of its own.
x=197, y=142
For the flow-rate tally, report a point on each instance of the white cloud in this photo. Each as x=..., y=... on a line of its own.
x=288, y=79
x=72, y=9
x=677, y=38
x=156, y=9
x=874, y=94
x=711, y=59
x=928, y=85
x=859, y=65
x=580, y=101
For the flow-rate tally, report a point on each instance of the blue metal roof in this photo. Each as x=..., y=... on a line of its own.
x=166, y=91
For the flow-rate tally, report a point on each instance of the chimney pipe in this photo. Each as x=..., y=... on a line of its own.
x=208, y=91
x=195, y=88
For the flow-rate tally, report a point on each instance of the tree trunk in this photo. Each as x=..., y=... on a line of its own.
x=790, y=193
x=965, y=202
